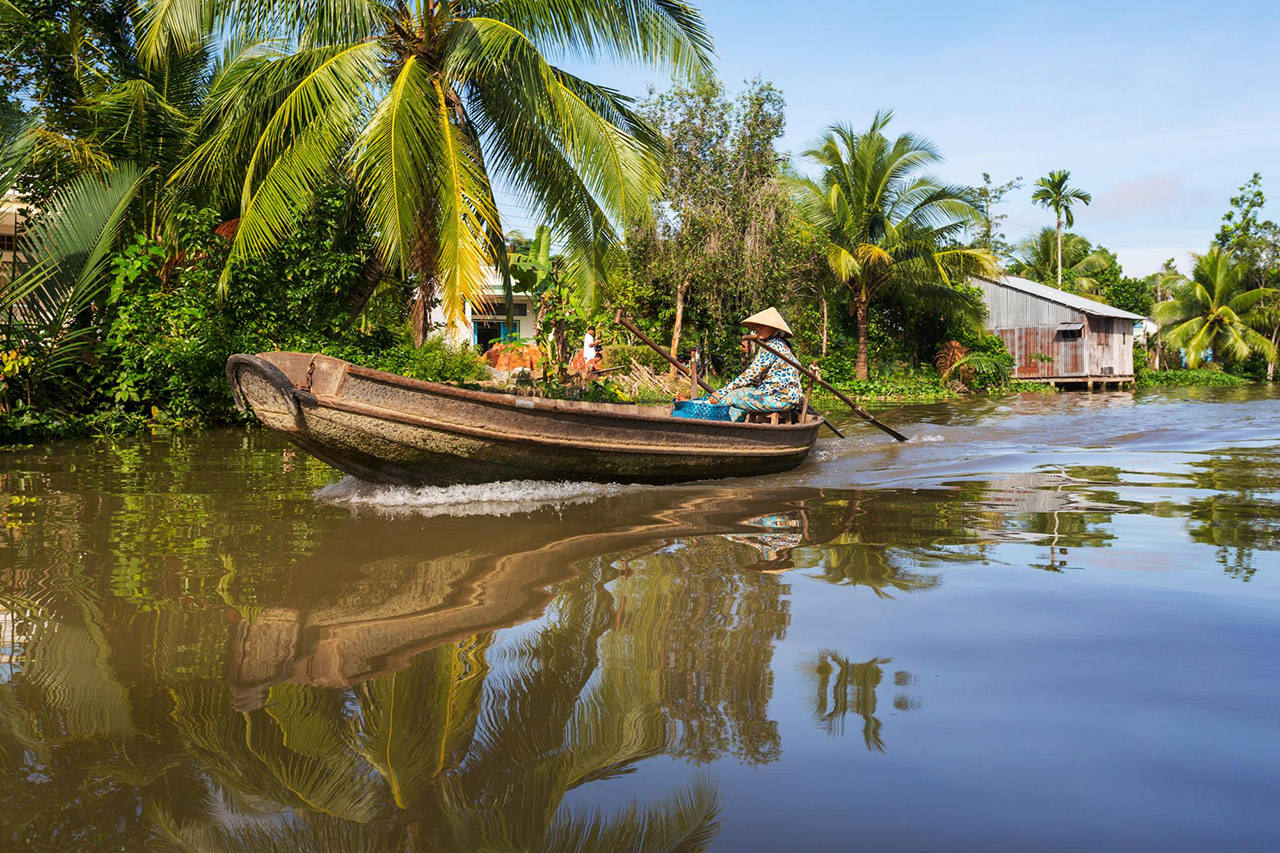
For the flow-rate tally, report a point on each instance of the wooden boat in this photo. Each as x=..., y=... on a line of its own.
x=390, y=429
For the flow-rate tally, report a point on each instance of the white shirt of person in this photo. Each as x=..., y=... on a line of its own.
x=588, y=347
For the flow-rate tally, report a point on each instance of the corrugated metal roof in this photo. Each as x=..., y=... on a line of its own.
x=1061, y=297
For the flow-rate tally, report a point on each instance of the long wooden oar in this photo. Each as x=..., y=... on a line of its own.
x=857, y=410
x=631, y=327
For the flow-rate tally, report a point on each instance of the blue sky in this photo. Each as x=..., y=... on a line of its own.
x=1160, y=110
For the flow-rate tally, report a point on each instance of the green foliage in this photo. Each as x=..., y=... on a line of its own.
x=888, y=231
x=1209, y=314
x=1188, y=378
x=49, y=312
x=428, y=108
x=1145, y=377
x=1055, y=193
x=1019, y=386
x=720, y=241
x=989, y=234
x=1249, y=237
x=166, y=333
x=1083, y=266
x=1131, y=294
x=839, y=367
x=907, y=388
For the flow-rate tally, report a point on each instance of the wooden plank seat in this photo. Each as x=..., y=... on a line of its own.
x=777, y=416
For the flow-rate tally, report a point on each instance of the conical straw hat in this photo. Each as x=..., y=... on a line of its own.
x=771, y=318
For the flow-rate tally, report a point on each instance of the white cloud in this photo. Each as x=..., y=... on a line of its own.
x=1145, y=194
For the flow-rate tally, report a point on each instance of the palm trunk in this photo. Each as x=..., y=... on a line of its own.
x=675, y=334
x=420, y=313
x=860, y=303
x=824, y=324
x=370, y=276
x=1271, y=364
x=1059, y=251
x=423, y=261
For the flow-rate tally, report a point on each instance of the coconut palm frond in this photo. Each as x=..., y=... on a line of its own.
x=416, y=723
x=1036, y=259
x=980, y=365
x=456, y=101
x=888, y=230
x=687, y=821
x=312, y=833
x=1212, y=315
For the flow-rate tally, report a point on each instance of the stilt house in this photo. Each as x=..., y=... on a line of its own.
x=1058, y=337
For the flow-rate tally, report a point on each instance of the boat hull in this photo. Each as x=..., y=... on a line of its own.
x=390, y=429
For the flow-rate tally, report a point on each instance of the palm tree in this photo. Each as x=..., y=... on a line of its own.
x=1212, y=311
x=1053, y=192
x=1035, y=259
x=425, y=105
x=889, y=231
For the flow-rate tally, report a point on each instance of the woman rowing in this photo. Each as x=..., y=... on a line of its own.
x=768, y=384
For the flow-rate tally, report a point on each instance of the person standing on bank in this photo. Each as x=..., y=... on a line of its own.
x=769, y=383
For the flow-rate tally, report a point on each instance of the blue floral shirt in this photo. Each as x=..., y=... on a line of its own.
x=771, y=376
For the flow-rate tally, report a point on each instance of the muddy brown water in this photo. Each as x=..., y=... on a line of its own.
x=1046, y=623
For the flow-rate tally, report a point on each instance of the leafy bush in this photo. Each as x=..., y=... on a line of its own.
x=839, y=365
x=166, y=332
x=1211, y=375
x=1188, y=377
x=912, y=387
x=434, y=361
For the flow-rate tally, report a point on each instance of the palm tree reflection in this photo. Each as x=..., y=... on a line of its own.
x=843, y=687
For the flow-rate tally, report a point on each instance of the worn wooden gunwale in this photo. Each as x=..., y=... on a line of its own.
x=387, y=428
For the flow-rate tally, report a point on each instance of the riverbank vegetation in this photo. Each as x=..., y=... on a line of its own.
x=248, y=178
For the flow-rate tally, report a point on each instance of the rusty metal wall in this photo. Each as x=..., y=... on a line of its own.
x=1110, y=349
x=1041, y=352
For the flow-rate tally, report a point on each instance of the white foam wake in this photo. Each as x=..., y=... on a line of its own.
x=506, y=497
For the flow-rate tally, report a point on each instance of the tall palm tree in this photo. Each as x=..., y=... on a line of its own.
x=1054, y=192
x=1035, y=259
x=1211, y=312
x=888, y=230
x=426, y=104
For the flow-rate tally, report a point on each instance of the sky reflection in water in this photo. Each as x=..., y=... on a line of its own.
x=1039, y=645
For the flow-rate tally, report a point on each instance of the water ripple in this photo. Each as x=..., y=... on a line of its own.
x=507, y=497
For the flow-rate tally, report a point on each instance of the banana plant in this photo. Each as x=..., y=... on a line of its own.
x=47, y=311
x=545, y=278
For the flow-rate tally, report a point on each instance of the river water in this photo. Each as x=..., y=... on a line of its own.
x=1046, y=623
